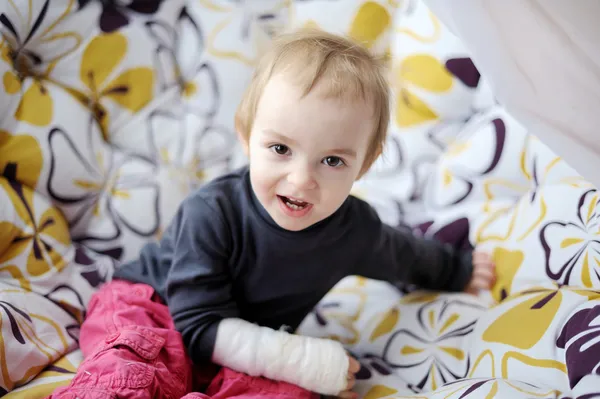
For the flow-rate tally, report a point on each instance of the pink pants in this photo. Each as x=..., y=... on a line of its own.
x=132, y=350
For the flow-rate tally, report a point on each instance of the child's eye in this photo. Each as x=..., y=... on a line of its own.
x=334, y=162
x=280, y=149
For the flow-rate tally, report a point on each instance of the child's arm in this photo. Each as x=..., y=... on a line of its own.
x=396, y=255
x=318, y=365
x=199, y=286
x=201, y=300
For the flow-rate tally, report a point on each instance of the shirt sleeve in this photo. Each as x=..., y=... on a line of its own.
x=199, y=285
x=397, y=255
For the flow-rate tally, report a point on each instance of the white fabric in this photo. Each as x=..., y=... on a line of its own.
x=315, y=364
x=542, y=59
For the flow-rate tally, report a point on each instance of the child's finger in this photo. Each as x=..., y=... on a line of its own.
x=482, y=279
x=485, y=272
x=481, y=257
x=484, y=264
x=354, y=365
x=348, y=395
x=351, y=382
x=472, y=290
x=482, y=283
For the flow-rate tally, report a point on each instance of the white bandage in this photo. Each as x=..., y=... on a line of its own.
x=318, y=365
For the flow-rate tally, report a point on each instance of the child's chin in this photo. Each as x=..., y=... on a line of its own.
x=291, y=226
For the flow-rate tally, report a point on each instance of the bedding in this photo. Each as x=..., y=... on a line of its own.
x=111, y=112
x=542, y=60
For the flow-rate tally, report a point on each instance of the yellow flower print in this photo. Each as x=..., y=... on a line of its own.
x=369, y=24
x=10, y=81
x=415, y=7
x=371, y=21
x=132, y=89
x=169, y=127
x=43, y=236
x=527, y=191
x=21, y=158
x=572, y=248
x=431, y=351
x=459, y=173
x=36, y=35
x=34, y=41
x=476, y=388
x=35, y=106
x=233, y=37
x=508, y=264
x=188, y=177
x=177, y=66
x=379, y=391
x=521, y=222
x=342, y=314
x=418, y=73
x=421, y=72
x=536, y=170
x=533, y=315
x=386, y=325
x=410, y=110
x=107, y=182
x=426, y=72
x=541, y=166
x=8, y=232
x=61, y=367
x=34, y=327
x=419, y=297
x=79, y=173
x=17, y=277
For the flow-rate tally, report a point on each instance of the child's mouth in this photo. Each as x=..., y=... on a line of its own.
x=294, y=204
x=294, y=207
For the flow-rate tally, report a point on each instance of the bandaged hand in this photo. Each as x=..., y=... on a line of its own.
x=315, y=364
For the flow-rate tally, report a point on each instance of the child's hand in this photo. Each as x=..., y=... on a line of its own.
x=352, y=370
x=484, y=273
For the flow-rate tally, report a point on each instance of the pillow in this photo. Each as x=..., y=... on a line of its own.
x=45, y=282
x=369, y=22
x=433, y=75
x=436, y=89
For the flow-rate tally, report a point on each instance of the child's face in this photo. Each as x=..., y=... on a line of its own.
x=305, y=153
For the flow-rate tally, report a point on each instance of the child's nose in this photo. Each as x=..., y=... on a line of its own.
x=302, y=178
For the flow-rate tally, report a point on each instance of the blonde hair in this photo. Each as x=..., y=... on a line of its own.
x=312, y=56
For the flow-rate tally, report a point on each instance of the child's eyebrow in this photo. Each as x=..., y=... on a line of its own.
x=279, y=136
x=344, y=151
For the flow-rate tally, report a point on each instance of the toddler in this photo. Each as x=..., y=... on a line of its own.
x=249, y=254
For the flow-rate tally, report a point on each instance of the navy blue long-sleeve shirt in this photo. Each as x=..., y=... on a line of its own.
x=224, y=256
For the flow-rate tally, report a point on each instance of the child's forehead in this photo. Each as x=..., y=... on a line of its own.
x=283, y=101
x=287, y=87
